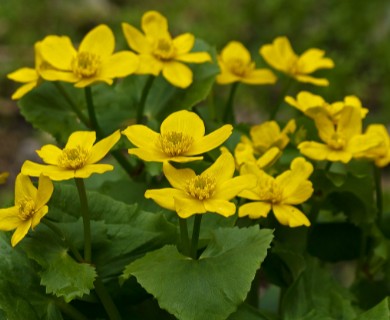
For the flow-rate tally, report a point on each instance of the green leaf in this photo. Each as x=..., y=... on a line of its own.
x=247, y=312
x=379, y=312
x=46, y=109
x=316, y=295
x=211, y=287
x=21, y=296
x=61, y=274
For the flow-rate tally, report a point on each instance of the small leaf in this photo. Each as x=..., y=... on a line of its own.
x=380, y=312
x=211, y=287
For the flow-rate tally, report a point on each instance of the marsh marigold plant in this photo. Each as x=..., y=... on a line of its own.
x=181, y=139
x=30, y=206
x=160, y=53
x=77, y=160
x=282, y=57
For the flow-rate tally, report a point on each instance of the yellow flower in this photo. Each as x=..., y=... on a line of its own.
x=282, y=57
x=236, y=65
x=30, y=77
x=266, y=143
x=158, y=52
x=279, y=194
x=208, y=192
x=380, y=154
x=30, y=207
x=77, y=160
x=94, y=61
x=311, y=104
x=181, y=138
x=3, y=177
x=343, y=141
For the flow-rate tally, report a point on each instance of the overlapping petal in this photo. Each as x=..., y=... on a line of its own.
x=290, y=216
x=185, y=122
x=99, y=41
x=254, y=210
x=177, y=73
x=136, y=39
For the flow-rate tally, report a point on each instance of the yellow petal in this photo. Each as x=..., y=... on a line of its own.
x=9, y=218
x=290, y=216
x=141, y=136
x=350, y=122
x=148, y=64
x=36, y=218
x=154, y=24
x=319, y=151
x=159, y=156
x=58, y=52
x=260, y=76
x=184, y=121
x=194, y=57
x=235, y=50
x=312, y=60
x=49, y=154
x=264, y=135
x=227, y=78
x=254, y=210
x=135, y=39
x=83, y=139
x=210, y=141
x=24, y=188
x=85, y=82
x=178, y=177
x=183, y=43
x=228, y=189
x=244, y=153
x=24, y=75
x=222, y=169
x=222, y=207
x=20, y=232
x=89, y=169
x=308, y=79
x=56, y=75
x=99, y=41
x=279, y=54
x=22, y=90
x=45, y=190
x=186, y=206
x=119, y=65
x=269, y=157
x=164, y=197
x=54, y=173
x=101, y=148
x=177, y=74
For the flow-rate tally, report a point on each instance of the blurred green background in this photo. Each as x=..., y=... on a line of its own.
x=354, y=33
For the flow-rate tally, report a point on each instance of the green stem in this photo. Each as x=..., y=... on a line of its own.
x=279, y=103
x=86, y=219
x=228, y=116
x=144, y=95
x=106, y=300
x=119, y=157
x=378, y=192
x=58, y=231
x=184, y=241
x=71, y=103
x=91, y=112
x=69, y=310
x=195, y=236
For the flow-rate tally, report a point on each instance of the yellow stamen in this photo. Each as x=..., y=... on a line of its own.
x=201, y=187
x=337, y=142
x=164, y=49
x=74, y=158
x=26, y=208
x=239, y=67
x=175, y=143
x=86, y=64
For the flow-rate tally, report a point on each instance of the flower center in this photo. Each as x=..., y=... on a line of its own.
x=239, y=67
x=201, y=187
x=271, y=192
x=337, y=142
x=73, y=158
x=164, y=49
x=175, y=143
x=26, y=208
x=86, y=64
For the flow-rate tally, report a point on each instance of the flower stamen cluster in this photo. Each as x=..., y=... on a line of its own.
x=73, y=158
x=201, y=187
x=86, y=64
x=175, y=143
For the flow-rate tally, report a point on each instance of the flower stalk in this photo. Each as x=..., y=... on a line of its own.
x=195, y=236
x=106, y=300
x=144, y=95
x=86, y=219
x=91, y=112
x=228, y=116
x=378, y=192
x=184, y=240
